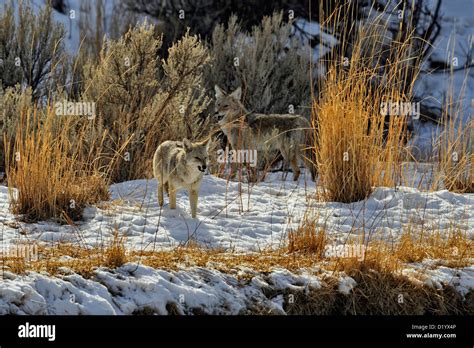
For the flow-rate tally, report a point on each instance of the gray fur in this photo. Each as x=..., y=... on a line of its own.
x=178, y=165
x=264, y=132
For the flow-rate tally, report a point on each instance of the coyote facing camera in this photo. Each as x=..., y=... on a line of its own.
x=178, y=165
x=287, y=133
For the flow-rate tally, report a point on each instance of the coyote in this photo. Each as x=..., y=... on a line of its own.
x=179, y=165
x=287, y=133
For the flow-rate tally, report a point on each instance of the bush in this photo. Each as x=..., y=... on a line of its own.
x=271, y=66
x=31, y=49
x=202, y=16
x=142, y=101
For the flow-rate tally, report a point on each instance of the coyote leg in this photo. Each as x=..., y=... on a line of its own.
x=193, y=200
x=160, y=194
x=296, y=169
x=172, y=194
x=286, y=160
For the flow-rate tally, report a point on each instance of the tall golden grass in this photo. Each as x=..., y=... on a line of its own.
x=357, y=146
x=49, y=174
x=456, y=144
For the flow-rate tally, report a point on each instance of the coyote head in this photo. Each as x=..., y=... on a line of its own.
x=228, y=106
x=196, y=154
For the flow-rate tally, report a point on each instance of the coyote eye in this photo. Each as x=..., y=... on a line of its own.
x=197, y=158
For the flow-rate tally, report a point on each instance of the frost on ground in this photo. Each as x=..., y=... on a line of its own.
x=255, y=218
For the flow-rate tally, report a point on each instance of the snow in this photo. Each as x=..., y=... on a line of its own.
x=241, y=218
x=346, y=284
x=133, y=288
x=313, y=29
x=256, y=219
x=461, y=279
x=226, y=219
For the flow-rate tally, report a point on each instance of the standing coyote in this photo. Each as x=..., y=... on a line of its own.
x=179, y=165
x=287, y=133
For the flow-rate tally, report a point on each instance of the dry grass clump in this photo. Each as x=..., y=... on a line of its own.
x=48, y=176
x=453, y=247
x=353, y=154
x=388, y=293
x=381, y=286
x=376, y=293
x=456, y=143
x=358, y=145
x=13, y=102
x=456, y=156
x=19, y=257
x=78, y=258
x=115, y=253
x=308, y=238
x=17, y=265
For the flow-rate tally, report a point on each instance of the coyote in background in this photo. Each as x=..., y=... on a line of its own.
x=179, y=165
x=287, y=133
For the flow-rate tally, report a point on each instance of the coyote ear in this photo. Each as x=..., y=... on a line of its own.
x=219, y=92
x=187, y=144
x=207, y=143
x=237, y=94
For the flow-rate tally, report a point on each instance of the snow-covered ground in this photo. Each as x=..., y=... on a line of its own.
x=238, y=218
x=134, y=289
x=256, y=218
x=248, y=221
